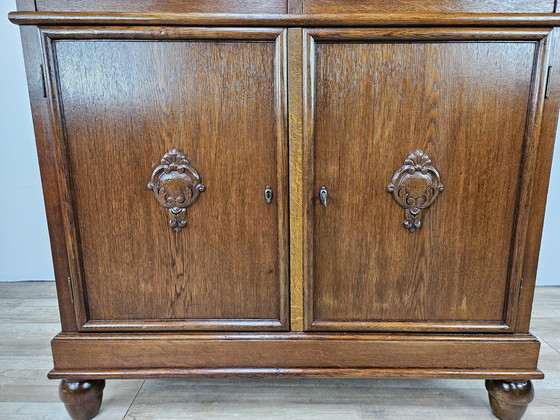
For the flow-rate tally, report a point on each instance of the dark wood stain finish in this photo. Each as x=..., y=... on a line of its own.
x=165, y=6
x=415, y=187
x=405, y=19
x=122, y=106
x=82, y=399
x=540, y=188
x=40, y=110
x=295, y=6
x=293, y=95
x=468, y=353
x=447, y=6
x=176, y=186
x=295, y=372
x=509, y=400
x=367, y=270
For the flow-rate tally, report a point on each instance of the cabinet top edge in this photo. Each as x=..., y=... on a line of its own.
x=286, y=20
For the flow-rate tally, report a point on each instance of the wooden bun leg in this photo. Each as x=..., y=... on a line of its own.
x=82, y=399
x=509, y=400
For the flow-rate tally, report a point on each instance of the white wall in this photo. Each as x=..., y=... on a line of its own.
x=24, y=244
x=24, y=247
x=549, y=260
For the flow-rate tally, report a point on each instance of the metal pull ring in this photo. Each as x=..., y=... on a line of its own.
x=268, y=194
x=323, y=195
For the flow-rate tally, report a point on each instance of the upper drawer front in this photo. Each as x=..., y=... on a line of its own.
x=179, y=6
x=450, y=6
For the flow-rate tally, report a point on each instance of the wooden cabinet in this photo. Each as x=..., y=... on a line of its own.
x=308, y=194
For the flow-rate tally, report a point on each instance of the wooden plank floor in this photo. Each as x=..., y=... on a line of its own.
x=29, y=319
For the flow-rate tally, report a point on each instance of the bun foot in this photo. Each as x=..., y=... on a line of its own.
x=509, y=400
x=82, y=399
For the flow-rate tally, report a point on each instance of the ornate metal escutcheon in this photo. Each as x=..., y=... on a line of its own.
x=176, y=186
x=415, y=186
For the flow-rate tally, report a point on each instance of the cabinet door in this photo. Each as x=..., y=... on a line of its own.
x=172, y=155
x=423, y=142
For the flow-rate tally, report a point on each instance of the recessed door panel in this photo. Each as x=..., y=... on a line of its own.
x=421, y=161
x=168, y=144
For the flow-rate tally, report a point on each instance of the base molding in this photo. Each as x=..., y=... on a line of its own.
x=103, y=356
x=300, y=372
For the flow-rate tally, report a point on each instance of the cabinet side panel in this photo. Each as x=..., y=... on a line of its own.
x=44, y=136
x=540, y=185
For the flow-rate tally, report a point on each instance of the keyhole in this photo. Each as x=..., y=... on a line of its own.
x=268, y=194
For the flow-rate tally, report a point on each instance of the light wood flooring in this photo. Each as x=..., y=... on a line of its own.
x=29, y=319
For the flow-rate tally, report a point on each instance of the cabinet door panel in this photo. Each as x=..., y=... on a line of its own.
x=472, y=107
x=122, y=105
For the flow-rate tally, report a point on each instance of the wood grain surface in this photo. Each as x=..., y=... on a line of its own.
x=123, y=104
x=299, y=6
x=195, y=6
x=376, y=103
x=295, y=6
x=509, y=400
x=294, y=96
x=126, y=352
x=295, y=58
x=549, y=128
x=448, y=6
x=275, y=373
x=82, y=400
x=401, y=19
x=44, y=132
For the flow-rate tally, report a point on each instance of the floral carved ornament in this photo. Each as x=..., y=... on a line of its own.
x=176, y=186
x=415, y=186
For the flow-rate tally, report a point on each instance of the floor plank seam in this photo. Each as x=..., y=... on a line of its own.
x=547, y=343
x=24, y=360
x=134, y=399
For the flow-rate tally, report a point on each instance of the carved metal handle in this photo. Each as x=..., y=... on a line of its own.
x=176, y=186
x=415, y=186
x=323, y=195
x=268, y=194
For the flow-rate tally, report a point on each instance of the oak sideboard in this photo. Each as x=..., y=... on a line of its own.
x=294, y=187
